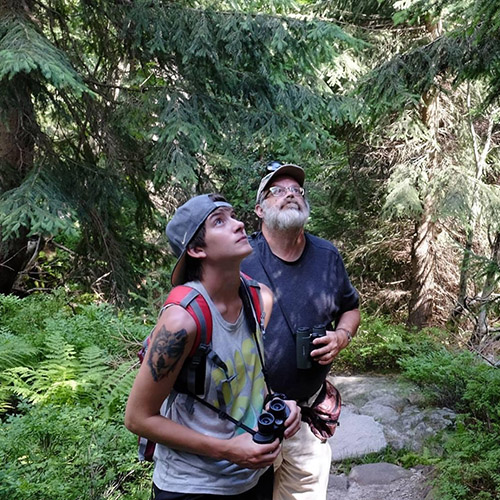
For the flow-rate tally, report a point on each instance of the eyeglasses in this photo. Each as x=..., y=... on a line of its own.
x=279, y=191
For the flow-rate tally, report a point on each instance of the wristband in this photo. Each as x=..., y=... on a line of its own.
x=349, y=334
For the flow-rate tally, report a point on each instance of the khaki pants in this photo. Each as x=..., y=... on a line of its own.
x=303, y=468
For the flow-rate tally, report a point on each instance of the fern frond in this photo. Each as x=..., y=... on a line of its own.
x=54, y=380
x=17, y=382
x=14, y=350
x=117, y=387
x=93, y=372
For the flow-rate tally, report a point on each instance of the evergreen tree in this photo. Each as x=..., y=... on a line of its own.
x=431, y=50
x=120, y=104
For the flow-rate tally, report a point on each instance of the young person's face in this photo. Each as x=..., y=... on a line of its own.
x=225, y=236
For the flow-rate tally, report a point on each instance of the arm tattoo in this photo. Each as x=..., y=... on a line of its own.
x=166, y=351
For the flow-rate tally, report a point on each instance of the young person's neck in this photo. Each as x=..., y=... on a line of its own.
x=287, y=244
x=222, y=284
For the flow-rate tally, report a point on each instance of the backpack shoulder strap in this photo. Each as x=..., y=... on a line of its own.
x=254, y=313
x=196, y=305
x=252, y=289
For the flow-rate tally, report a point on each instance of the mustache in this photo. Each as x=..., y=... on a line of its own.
x=284, y=217
x=292, y=204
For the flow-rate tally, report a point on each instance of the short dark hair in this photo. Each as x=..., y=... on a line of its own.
x=194, y=268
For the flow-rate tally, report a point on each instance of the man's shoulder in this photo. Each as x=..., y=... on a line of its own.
x=251, y=262
x=321, y=243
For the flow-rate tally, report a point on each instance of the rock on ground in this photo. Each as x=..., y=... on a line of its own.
x=381, y=411
x=380, y=481
x=378, y=411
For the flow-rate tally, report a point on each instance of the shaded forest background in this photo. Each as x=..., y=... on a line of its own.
x=114, y=112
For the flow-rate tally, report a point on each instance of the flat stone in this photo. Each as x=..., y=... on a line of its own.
x=356, y=436
x=402, y=424
x=338, y=483
x=381, y=412
x=379, y=473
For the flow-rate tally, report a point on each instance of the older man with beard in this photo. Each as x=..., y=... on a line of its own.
x=311, y=287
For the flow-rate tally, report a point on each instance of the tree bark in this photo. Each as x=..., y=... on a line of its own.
x=481, y=328
x=16, y=160
x=423, y=255
x=423, y=264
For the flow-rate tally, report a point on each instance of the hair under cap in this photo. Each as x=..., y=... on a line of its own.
x=187, y=219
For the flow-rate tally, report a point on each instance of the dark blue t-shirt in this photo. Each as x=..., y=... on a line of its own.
x=313, y=290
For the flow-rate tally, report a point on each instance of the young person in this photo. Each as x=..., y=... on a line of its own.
x=311, y=287
x=198, y=454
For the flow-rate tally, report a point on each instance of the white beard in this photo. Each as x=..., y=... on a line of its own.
x=283, y=219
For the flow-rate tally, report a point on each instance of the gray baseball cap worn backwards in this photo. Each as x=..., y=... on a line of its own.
x=290, y=169
x=188, y=218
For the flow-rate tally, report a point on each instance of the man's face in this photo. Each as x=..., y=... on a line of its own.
x=287, y=210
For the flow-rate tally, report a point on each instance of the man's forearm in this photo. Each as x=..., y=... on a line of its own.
x=349, y=323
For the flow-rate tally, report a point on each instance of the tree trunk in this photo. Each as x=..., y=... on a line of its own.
x=16, y=159
x=423, y=255
x=481, y=329
x=423, y=263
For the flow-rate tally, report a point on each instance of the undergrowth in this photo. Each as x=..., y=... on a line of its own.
x=67, y=366
x=470, y=467
x=66, y=369
x=379, y=345
x=468, y=462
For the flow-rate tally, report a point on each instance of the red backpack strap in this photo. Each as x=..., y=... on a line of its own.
x=195, y=304
x=192, y=375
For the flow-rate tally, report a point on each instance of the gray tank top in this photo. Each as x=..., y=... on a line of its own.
x=241, y=390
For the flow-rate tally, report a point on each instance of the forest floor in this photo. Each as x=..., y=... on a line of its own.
x=380, y=412
x=378, y=482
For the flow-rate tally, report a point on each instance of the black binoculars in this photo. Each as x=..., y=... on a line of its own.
x=271, y=423
x=304, y=337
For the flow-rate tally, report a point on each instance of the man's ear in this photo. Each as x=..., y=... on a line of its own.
x=259, y=211
x=196, y=252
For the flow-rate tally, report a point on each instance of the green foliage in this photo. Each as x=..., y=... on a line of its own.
x=403, y=197
x=379, y=345
x=461, y=381
x=177, y=93
x=57, y=352
x=67, y=369
x=38, y=206
x=78, y=323
x=65, y=452
x=24, y=49
x=457, y=380
x=14, y=351
x=470, y=468
x=402, y=457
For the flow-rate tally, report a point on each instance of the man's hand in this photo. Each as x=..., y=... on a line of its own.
x=243, y=451
x=327, y=347
x=335, y=340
